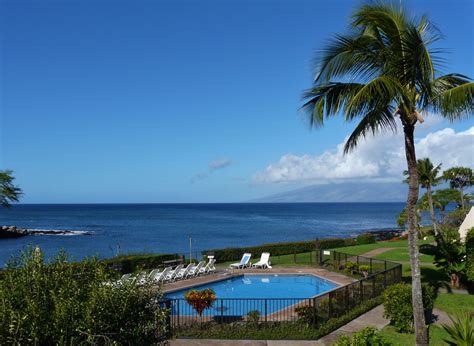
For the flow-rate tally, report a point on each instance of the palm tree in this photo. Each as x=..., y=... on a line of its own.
x=427, y=178
x=8, y=191
x=384, y=69
x=459, y=178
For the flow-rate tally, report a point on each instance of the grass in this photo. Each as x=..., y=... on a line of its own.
x=437, y=334
x=401, y=255
x=454, y=304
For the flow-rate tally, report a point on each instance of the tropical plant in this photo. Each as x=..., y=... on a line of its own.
x=450, y=255
x=427, y=178
x=442, y=198
x=364, y=269
x=9, y=192
x=382, y=70
x=459, y=178
x=200, y=300
x=461, y=331
x=75, y=303
x=350, y=267
x=367, y=336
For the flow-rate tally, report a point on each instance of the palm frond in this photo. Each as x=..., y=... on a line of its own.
x=378, y=92
x=355, y=56
x=327, y=100
x=454, y=102
x=373, y=122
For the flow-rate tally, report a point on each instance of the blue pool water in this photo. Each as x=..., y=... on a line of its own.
x=265, y=293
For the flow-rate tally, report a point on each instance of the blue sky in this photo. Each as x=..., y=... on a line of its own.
x=177, y=101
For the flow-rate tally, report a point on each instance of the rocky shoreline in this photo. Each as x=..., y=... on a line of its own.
x=8, y=232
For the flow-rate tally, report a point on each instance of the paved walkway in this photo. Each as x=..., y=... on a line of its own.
x=377, y=251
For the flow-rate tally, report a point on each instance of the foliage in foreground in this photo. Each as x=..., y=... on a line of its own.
x=397, y=301
x=274, y=330
x=364, y=337
x=461, y=332
x=71, y=303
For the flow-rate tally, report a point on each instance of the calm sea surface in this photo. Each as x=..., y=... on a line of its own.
x=165, y=228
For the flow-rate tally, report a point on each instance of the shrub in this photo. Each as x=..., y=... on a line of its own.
x=277, y=249
x=134, y=262
x=365, y=238
x=275, y=330
x=470, y=255
x=398, y=305
x=70, y=303
x=350, y=267
x=461, y=330
x=364, y=337
x=253, y=317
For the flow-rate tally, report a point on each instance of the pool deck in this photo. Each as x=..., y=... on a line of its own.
x=224, y=274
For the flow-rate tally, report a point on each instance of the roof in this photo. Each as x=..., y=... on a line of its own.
x=467, y=224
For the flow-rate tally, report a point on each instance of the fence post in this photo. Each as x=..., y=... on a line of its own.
x=357, y=258
x=384, y=280
x=373, y=285
x=222, y=310
x=361, y=290
x=334, y=259
x=314, y=313
x=370, y=265
x=178, y=313
x=330, y=305
x=265, y=310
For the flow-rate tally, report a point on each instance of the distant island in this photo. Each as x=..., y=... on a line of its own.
x=341, y=192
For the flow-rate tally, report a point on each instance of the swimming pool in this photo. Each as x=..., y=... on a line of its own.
x=265, y=293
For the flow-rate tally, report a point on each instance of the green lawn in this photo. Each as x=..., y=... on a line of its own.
x=437, y=334
x=455, y=303
x=361, y=249
x=400, y=254
x=450, y=303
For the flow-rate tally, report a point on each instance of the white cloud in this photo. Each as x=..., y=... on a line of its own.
x=379, y=158
x=212, y=167
x=219, y=164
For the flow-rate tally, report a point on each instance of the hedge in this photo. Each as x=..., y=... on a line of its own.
x=277, y=249
x=135, y=262
x=470, y=255
x=273, y=330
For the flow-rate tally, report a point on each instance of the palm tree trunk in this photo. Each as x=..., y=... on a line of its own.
x=421, y=332
x=432, y=213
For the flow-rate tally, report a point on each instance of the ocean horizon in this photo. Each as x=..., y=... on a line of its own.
x=120, y=228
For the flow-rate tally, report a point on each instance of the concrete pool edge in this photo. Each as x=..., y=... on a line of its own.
x=323, y=274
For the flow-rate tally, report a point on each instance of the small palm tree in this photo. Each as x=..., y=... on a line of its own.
x=461, y=330
x=427, y=178
x=9, y=192
x=385, y=70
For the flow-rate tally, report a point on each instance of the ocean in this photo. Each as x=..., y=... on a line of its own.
x=167, y=228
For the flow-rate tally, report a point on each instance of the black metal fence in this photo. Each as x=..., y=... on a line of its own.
x=375, y=276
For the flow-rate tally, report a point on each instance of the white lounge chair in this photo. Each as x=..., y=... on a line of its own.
x=263, y=263
x=172, y=274
x=194, y=271
x=209, y=267
x=158, y=277
x=244, y=262
x=183, y=273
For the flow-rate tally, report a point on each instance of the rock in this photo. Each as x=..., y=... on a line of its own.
x=7, y=232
